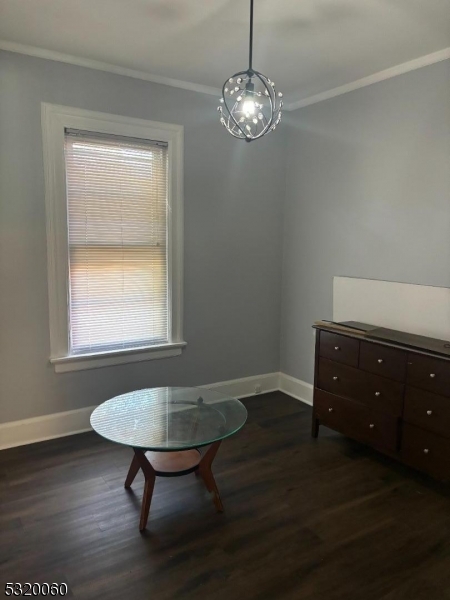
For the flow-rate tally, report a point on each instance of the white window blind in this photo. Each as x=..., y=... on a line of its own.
x=117, y=223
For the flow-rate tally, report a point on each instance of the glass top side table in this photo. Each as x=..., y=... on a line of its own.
x=166, y=427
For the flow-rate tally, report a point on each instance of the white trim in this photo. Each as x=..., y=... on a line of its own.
x=417, y=63
x=54, y=121
x=298, y=389
x=412, y=65
x=82, y=362
x=108, y=68
x=247, y=386
x=47, y=427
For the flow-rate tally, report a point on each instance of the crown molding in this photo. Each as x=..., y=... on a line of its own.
x=102, y=66
x=411, y=65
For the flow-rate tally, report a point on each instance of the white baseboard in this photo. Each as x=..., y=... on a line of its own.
x=47, y=427
x=298, y=389
x=246, y=386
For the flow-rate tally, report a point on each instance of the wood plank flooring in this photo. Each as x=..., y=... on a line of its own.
x=304, y=520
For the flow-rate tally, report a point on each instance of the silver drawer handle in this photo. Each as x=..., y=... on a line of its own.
x=371, y=426
x=330, y=410
x=337, y=348
x=380, y=360
x=432, y=375
x=429, y=413
x=377, y=394
x=335, y=378
x=425, y=450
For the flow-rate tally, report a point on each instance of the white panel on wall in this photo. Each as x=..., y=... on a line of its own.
x=419, y=309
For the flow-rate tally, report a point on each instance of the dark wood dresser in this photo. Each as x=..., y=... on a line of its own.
x=387, y=389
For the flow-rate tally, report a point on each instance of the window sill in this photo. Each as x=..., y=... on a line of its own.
x=82, y=362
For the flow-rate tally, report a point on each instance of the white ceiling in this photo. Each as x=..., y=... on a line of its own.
x=306, y=46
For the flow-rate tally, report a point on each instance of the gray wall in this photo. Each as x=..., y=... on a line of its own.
x=366, y=188
x=367, y=195
x=233, y=220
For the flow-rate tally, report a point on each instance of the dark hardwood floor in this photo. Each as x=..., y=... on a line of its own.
x=304, y=520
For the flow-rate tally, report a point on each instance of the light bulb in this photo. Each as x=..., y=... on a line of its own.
x=248, y=107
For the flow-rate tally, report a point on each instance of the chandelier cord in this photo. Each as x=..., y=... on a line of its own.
x=250, y=50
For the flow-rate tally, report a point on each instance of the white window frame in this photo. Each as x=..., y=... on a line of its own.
x=55, y=120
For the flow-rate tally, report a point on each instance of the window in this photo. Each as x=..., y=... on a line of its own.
x=117, y=219
x=113, y=197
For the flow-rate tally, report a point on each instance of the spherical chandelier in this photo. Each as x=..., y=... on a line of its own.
x=250, y=106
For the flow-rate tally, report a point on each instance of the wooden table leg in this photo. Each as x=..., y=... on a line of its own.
x=132, y=472
x=150, y=476
x=204, y=470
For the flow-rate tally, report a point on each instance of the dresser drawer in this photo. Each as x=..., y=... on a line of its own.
x=384, y=394
x=427, y=373
x=341, y=380
x=339, y=348
x=427, y=410
x=426, y=451
x=356, y=420
x=384, y=361
x=339, y=414
x=376, y=392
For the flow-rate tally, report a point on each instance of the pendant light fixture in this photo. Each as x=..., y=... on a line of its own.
x=250, y=106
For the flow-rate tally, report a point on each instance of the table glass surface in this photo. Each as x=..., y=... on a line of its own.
x=169, y=418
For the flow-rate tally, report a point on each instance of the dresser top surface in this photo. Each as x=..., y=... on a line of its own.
x=388, y=337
